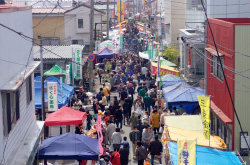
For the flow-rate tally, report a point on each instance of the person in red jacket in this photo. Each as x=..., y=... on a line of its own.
x=115, y=158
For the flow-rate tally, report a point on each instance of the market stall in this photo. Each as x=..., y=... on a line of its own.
x=187, y=122
x=69, y=146
x=54, y=71
x=64, y=91
x=106, y=53
x=163, y=69
x=168, y=80
x=206, y=156
x=64, y=120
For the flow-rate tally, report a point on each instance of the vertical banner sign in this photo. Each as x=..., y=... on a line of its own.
x=149, y=50
x=189, y=57
x=52, y=96
x=100, y=136
x=67, y=79
x=77, y=56
x=204, y=103
x=120, y=12
x=121, y=42
x=186, y=152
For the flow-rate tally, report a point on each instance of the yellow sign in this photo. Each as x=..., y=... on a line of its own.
x=204, y=103
x=120, y=12
x=186, y=152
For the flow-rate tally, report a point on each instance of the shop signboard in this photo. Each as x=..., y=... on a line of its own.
x=77, y=57
x=68, y=77
x=186, y=152
x=204, y=102
x=52, y=96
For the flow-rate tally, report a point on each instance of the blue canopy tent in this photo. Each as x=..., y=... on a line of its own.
x=168, y=80
x=183, y=95
x=206, y=156
x=62, y=99
x=177, y=85
x=69, y=146
x=106, y=53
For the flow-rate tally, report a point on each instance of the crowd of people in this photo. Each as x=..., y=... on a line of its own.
x=134, y=104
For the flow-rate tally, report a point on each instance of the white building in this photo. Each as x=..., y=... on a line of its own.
x=19, y=131
x=77, y=27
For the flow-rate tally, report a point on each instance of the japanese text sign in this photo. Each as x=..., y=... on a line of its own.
x=77, y=56
x=186, y=152
x=204, y=103
x=52, y=96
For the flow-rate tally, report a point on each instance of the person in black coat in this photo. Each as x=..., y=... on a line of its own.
x=155, y=149
x=124, y=154
x=118, y=117
x=126, y=108
x=130, y=102
x=112, y=109
x=116, y=102
x=89, y=118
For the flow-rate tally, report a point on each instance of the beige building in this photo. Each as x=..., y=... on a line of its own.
x=174, y=20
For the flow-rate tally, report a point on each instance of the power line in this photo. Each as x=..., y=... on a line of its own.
x=233, y=4
x=225, y=79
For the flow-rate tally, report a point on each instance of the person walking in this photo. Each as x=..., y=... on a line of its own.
x=133, y=120
x=141, y=153
x=124, y=154
x=155, y=118
x=126, y=112
x=103, y=102
x=134, y=136
x=89, y=118
x=106, y=91
x=146, y=137
x=147, y=102
x=155, y=150
x=110, y=130
x=116, y=139
x=140, y=128
x=131, y=90
x=124, y=95
x=118, y=117
x=115, y=158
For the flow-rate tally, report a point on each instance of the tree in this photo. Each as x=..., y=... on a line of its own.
x=171, y=54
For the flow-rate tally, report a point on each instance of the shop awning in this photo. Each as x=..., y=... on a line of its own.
x=164, y=69
x=206, y=156
x=183, y=134
x=187, y=122
x=220, y=113
x=213, y=52
x=65, y=116
x=69, y=146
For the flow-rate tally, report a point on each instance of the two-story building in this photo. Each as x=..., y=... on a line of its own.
x=232, y=36
x=20, y=133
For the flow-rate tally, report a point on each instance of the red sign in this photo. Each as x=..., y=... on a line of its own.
x=91, y=57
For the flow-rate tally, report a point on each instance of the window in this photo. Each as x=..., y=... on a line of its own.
x=29, y=89
x=80, y=23
x=167, y=28
x=216, y=68
x=79, y=42
x=50, y=41
x=11, y=110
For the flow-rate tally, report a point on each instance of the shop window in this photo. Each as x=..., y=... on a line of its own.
x=50, y=41
x=11, y=110
x=216, y=68
x=79, y=42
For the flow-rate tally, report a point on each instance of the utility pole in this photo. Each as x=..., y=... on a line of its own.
x=107, y=19
x=91, y=27
x=42, y=84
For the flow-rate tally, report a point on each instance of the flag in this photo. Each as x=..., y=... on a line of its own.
x=186, y=152
x=204, y=102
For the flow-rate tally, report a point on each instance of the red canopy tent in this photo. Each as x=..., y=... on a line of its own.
x=65, y=116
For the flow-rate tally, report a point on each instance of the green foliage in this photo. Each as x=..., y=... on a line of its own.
x=171, y=54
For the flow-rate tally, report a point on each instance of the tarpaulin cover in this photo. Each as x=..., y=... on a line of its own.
x=65, y=116
x=106, y=53
x=183, y=134
x=182, y=96
x=187, y=122
x=62, y=99
x=207, y=156
x=168, y=80
x=69, y=146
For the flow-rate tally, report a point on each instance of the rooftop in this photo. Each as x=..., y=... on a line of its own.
x=233, y=20
x=8, y=8
x=49, y=10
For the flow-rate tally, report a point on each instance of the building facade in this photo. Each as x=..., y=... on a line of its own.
x=232, y=36
x=19, y=131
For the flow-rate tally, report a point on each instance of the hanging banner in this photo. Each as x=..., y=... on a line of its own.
x=204, y=102
x=67, y=79
x=52, y=96
x=120, y=10
x=100, y=136
x=77, y=57
x=116, y=43
x=189, y=57
x=186, y=152
x=121, y=42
